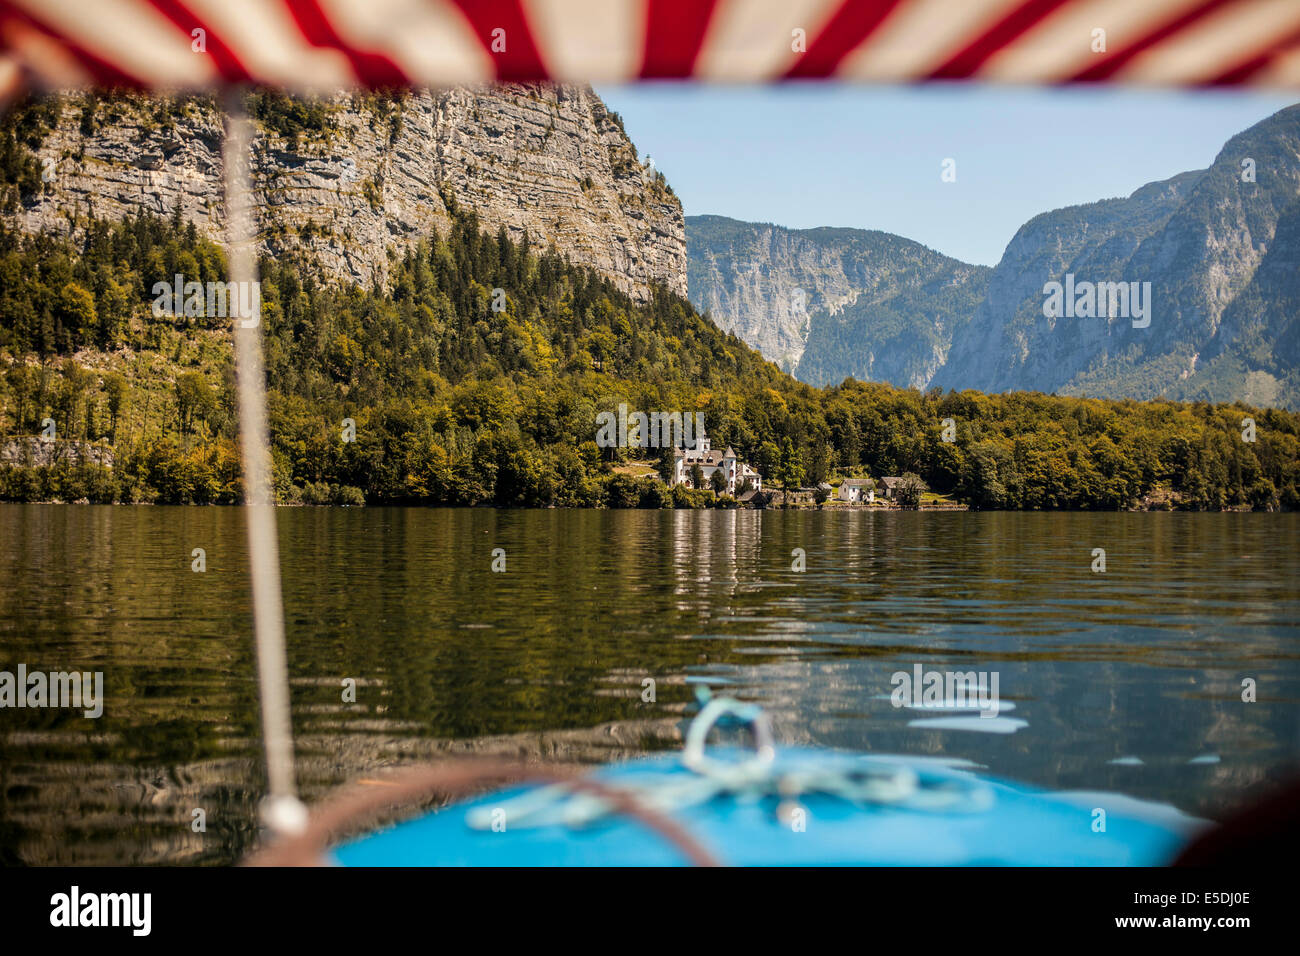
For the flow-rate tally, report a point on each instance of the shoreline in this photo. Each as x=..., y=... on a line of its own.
x=947, y=507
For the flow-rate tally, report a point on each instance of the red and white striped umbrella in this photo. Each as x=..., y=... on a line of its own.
x=310, y=45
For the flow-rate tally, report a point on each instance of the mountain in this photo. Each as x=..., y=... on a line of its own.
x=397, y=374
x=1009, y=339
x=1220, y=254
x=873, y=305
x=901, y=338
x=350, y=177
x=1218, y=246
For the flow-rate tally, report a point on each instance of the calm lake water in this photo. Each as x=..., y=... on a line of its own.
x=1129, y=680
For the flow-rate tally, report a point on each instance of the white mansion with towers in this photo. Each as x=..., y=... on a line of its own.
x=734, y=471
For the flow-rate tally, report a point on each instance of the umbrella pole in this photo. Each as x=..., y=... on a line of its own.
x=282, y=812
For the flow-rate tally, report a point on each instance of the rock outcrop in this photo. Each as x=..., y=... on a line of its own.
x=812, y=300
x=1009, y=337
x=34, y=453
x=353, y=178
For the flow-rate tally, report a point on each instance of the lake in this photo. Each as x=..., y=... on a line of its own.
x=1129, y=680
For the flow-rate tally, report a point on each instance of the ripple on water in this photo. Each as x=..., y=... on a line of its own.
x=549, y=658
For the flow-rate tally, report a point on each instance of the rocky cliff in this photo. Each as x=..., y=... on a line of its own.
x=351, y=178
x=1009, y=338
x=1220, y=248
x=829, y=303
x=30, y=451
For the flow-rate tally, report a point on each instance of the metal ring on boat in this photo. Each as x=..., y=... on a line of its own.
x=751, y=715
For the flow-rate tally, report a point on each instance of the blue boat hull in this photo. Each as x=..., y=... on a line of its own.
x=1019, y=826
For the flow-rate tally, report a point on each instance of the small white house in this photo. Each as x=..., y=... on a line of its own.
x=857, y=490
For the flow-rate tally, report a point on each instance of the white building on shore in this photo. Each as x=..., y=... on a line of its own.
x=858, y=490
x=734, y=471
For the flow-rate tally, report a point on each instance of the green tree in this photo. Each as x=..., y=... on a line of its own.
x=194, y=400
x=22, y=385
x=909, y=491
x=75, y=381
x=789, y=469
x=75, y=309
x=117, y=391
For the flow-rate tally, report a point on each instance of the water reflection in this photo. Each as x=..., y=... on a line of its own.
x=1130, y=681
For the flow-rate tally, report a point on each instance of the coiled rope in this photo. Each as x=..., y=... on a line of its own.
x=864, y=782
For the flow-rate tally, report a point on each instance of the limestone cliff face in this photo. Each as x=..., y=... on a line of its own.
x=1218, y=249
x=31, y=452
x=828, y=303
x=356, y=177
x=749, y=276
x=1009, y=343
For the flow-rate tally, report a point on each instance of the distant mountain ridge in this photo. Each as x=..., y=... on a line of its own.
x=1222, y=254
x=750, y=276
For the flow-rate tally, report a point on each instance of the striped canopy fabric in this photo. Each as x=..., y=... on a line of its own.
x=317, y=45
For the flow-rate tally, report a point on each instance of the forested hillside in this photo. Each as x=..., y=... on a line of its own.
x=455, y=403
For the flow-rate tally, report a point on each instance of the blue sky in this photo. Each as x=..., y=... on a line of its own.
x=804, y=155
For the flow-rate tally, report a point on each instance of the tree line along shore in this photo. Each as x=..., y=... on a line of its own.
x=475, y=377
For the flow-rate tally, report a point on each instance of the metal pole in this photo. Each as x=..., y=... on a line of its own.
x=282, y=812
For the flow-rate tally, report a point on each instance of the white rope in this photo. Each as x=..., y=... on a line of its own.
x=282, y=812
x=872, y=781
